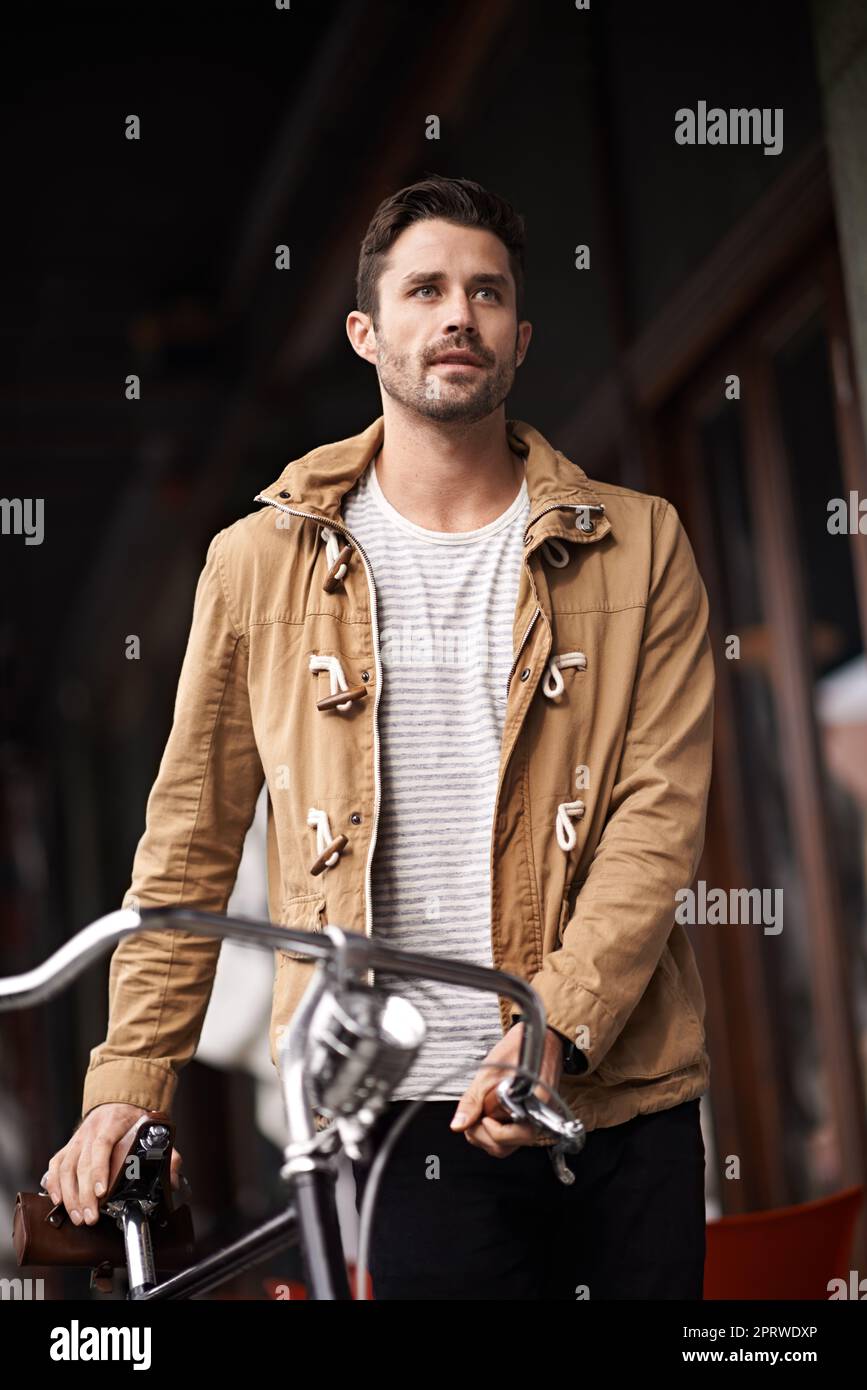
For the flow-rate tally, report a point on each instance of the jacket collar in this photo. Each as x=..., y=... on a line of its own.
x=318, y=481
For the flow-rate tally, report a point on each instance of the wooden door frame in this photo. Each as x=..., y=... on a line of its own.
x=747, y=1125
x=751, y=272
x=787, y=608
x=747, y=1120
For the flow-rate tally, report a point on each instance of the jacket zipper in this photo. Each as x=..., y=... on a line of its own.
x=338, y=526
x=520, y=647
x=555, y=506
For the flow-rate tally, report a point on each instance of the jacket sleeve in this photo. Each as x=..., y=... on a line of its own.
x=654, y=835
x=198, y=813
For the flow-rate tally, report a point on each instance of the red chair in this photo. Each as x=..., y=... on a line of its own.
x=790, y=1252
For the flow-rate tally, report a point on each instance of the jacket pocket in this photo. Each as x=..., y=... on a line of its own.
x=303, y=912
x=663, y=1034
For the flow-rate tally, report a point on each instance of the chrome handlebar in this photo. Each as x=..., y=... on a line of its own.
x=334, y=948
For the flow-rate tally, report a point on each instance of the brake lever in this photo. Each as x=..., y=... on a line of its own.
x=571, y=1134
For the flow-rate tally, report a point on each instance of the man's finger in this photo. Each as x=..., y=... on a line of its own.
x=497, y=1139
x=512, y=1135
x=92, y=1164
x=476, y=1136
x=69, y=1187
x=179, y=1180
x=479, y=1136
x=469, y=1108
x=494, y=1106
x=51, y=1180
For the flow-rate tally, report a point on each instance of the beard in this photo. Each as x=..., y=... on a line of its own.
x=436, y=396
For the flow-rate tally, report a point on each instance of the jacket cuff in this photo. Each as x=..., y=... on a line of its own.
x=129, y=1081
x=570, y=1007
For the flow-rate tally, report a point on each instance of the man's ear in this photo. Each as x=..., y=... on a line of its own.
x=522, y=340
x=361, y=334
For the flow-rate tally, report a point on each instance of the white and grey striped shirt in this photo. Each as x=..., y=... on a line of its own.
x=446, y=606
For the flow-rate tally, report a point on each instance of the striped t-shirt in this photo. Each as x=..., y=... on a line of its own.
x=445, y=606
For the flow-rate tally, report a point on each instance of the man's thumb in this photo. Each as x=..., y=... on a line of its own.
x=468, y=1111
x=177, y=1169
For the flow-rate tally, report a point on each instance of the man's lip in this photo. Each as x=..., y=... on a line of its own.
x=455, y=360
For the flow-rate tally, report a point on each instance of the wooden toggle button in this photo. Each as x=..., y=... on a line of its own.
x=331, y=581
x=339, y=844
x=358, y=692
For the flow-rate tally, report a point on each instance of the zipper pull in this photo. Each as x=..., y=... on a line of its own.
x=582, y=515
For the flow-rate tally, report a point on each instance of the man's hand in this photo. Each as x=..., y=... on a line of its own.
x=480, y=1114
x=78, y=1173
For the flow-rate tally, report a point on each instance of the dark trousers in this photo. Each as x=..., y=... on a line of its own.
x=453, y=1222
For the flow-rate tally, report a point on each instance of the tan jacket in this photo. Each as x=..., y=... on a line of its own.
x=603, y=783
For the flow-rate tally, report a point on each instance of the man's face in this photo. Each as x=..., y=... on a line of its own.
x=446, y=289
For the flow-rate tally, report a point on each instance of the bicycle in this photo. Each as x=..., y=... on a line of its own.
x=347, y=1047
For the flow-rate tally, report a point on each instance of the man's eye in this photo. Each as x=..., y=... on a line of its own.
x=484, y=289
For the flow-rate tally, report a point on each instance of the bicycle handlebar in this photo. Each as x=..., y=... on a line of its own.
x=44, y=981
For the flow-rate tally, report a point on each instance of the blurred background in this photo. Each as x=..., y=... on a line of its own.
x=714, y=352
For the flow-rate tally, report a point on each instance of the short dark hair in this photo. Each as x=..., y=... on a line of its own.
x=461, y=201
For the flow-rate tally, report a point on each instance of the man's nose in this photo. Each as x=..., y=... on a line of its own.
x=459, y=316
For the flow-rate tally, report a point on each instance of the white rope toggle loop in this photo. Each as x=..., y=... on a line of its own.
x=566, y=836
x=551, y=554
x=332, y=549
x=332, y=665
x=324, y=836
x=553, y=682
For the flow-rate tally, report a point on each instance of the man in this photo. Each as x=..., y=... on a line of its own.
x=517, y=775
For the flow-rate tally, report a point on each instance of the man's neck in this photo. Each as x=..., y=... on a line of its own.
x=448, y=477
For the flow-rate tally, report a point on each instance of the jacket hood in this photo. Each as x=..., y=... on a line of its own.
x=319, y=480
